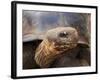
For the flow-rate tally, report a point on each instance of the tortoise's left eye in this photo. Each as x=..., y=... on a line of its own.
x=63, y=34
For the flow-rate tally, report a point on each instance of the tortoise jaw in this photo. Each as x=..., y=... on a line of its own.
x=65, y=46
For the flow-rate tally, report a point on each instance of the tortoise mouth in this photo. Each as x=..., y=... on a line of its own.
x=65, y=46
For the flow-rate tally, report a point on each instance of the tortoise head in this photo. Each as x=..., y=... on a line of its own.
x=63, y=37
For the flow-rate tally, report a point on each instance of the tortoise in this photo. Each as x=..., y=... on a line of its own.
x=60, y=48
x=79, y=53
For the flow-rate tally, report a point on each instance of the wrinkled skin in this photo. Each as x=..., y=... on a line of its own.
x=83, y=52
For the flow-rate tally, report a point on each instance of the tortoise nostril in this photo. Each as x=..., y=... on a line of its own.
x=63, y=34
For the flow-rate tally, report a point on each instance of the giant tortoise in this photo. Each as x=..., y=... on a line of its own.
x=54, y=35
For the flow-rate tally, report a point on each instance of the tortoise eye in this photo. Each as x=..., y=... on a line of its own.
x=63, y=34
